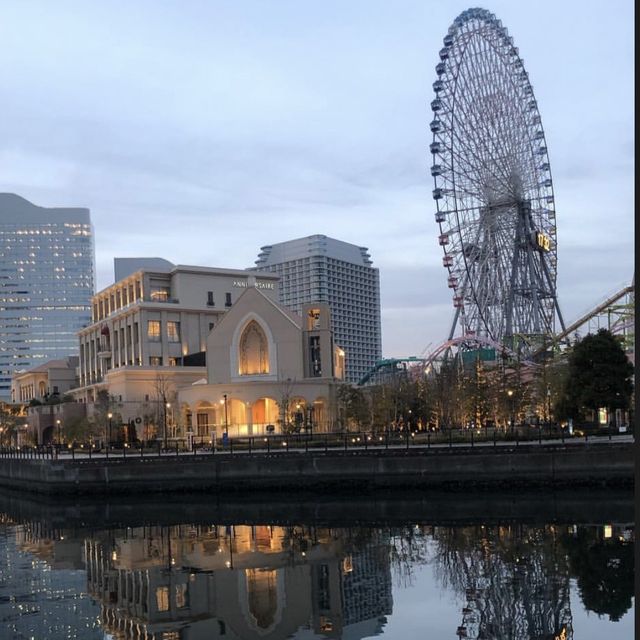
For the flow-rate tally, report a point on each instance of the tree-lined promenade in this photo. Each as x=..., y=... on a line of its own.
x=352, y=442
x=587, y=386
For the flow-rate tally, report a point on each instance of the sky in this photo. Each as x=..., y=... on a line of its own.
x=201, y=130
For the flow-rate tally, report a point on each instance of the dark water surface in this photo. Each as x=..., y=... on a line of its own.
x=526, y=566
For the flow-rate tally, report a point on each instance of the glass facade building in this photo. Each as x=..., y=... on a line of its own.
x=322, y=269
x=46, y=282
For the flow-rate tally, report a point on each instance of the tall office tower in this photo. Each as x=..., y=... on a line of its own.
x=321, y=269
x=46, y=283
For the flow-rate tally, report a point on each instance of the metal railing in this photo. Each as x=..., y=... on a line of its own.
x=353, y=442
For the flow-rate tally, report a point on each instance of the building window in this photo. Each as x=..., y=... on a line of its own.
x=211, y=325
x=155, y=361
x=162, y=598
x=227, y=299
x=159, y=294
x=254, y=350
x=153, y=330
x=202, y=423
x=173, y=331
x=210, y=301
x=314, y=356
x=182, y=599
x=313, y=319
x=173, y=362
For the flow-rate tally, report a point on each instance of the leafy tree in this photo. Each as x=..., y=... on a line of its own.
x=77, y=430
x=604, y=572
x=10, y=418
x=599, y=375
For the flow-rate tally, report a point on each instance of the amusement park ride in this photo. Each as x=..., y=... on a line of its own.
x=495, y=207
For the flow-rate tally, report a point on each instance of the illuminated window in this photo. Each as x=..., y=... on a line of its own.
x=313, y=319
x=159, y=294
x=326, y=624
x=153, y=330
x=173, y=331
x=202, y=420
x=254, y=351
x=347, y=564
x=263, y=596
x=155, y=361
x=162, y=598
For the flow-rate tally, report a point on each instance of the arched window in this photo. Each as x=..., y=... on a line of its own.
x=254, y=350
x=263, y=596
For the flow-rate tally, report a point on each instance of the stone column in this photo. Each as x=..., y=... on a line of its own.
x=249, y=417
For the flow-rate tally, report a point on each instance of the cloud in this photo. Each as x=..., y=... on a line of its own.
x=201, y=131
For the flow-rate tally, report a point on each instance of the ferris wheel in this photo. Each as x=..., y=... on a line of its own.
x=492, y=187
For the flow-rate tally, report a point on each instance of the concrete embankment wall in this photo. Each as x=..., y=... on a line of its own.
x=338, y=471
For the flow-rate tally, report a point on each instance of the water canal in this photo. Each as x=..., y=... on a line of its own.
x=522, y=566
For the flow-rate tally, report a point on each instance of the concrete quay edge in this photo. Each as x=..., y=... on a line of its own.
x=337, y=472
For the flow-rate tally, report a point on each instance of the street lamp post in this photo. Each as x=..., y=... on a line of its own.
x=511, y=418
x=59, y=433
x=226, y=417
x=109, y=415
x=167, y=406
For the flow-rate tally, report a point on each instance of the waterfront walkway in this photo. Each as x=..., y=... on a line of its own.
x=319, y=443
x=326, y=466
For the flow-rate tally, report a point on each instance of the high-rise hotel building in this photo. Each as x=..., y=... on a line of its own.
x=321, y=269
x=46, y=282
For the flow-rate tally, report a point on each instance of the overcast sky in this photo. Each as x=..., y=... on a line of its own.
x=199, y=131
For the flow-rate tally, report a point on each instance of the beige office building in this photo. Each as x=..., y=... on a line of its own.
x=151, y=327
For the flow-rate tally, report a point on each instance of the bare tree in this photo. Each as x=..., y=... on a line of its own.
x=165, y=394
x=284, y=402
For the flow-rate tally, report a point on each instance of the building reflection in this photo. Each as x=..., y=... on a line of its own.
x=188, y=582
x=515, y=580
x=170, y=583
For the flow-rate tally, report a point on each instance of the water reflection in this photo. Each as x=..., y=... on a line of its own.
x=191, y=581
x=515, y=580
x=238, y=581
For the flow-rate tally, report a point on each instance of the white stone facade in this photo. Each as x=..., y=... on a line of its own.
x=268, y=371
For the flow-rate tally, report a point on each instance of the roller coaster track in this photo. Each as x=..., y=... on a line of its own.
x=594, y=312
x=473, y=341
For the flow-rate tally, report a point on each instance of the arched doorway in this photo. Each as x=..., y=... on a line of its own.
x=47, y=435
x=297, y=414
x=319, y=417
x=265, y=413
